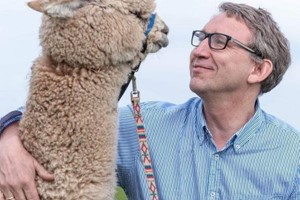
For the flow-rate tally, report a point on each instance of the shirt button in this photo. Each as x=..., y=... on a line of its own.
x=217, y=157
x=212, y=195
x=237, y=146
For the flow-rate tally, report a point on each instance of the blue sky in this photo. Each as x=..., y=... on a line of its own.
x=163, y=76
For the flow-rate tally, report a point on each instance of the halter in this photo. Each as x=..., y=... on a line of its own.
x=150, y=23
x=136, y=68
x=142, y=137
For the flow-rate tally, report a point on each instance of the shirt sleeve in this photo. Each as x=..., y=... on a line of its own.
x=128, y=147
x=296, y=192
x=10, y=118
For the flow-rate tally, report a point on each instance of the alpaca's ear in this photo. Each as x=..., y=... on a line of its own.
x=56, y=9
x=36, y=5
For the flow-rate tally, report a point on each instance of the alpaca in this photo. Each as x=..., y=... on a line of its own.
x=70, y=121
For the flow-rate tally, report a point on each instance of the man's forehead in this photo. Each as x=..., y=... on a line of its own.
x=222, y=21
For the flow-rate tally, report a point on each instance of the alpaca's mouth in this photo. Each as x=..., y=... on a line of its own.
x=164, y=41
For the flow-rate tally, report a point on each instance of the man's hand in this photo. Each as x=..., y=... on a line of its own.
x=18, y=169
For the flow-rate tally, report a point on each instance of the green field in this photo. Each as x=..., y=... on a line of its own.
x=120, y=195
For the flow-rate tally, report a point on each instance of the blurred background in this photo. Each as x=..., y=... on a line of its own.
x=163, y=76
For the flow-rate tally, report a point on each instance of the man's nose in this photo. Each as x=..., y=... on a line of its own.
x=202, y=49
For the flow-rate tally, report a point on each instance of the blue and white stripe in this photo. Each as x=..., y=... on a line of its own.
x=260, y=162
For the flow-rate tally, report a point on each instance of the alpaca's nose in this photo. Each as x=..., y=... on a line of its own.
x=165, y=30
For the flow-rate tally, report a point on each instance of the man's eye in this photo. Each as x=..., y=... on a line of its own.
x=200, y=37
x=219, y=40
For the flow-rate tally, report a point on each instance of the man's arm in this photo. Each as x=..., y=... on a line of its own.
x=296, y=192
x=10, y=118
x=18, y=168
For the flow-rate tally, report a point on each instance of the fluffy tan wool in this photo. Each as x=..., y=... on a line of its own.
x=70, y=122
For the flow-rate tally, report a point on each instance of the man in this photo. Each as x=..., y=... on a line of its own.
x=219, y=146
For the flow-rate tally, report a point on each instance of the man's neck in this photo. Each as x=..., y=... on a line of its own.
x=225, y=116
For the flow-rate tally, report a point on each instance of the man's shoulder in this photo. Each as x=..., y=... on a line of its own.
x=275, y=124
x=191, y=103
x=165, y=106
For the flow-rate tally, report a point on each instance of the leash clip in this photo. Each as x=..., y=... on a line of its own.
x=135, y=94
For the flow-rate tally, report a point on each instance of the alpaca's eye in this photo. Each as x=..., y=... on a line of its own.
x=129, y=63
x=138, y=15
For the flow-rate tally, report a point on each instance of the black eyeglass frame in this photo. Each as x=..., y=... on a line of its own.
x=228, y=38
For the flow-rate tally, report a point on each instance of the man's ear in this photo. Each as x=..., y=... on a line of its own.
x=56, y=9
x=260, y=71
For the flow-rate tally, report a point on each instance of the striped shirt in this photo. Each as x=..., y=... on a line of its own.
x=261, y=161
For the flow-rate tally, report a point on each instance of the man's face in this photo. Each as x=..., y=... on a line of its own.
x=221, y=71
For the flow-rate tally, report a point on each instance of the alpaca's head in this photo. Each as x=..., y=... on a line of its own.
x=99, y=33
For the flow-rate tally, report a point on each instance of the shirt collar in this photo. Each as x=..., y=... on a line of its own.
x=201, y=126
x=241, y=137
x=249, y=129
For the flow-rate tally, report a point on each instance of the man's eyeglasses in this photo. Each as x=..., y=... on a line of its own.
x=218, y=41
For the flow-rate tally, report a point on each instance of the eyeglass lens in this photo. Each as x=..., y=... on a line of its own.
x=216, y=40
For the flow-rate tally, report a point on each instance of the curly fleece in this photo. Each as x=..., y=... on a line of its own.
x=70, y=122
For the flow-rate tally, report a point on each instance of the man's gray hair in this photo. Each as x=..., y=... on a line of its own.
x=267, y=39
